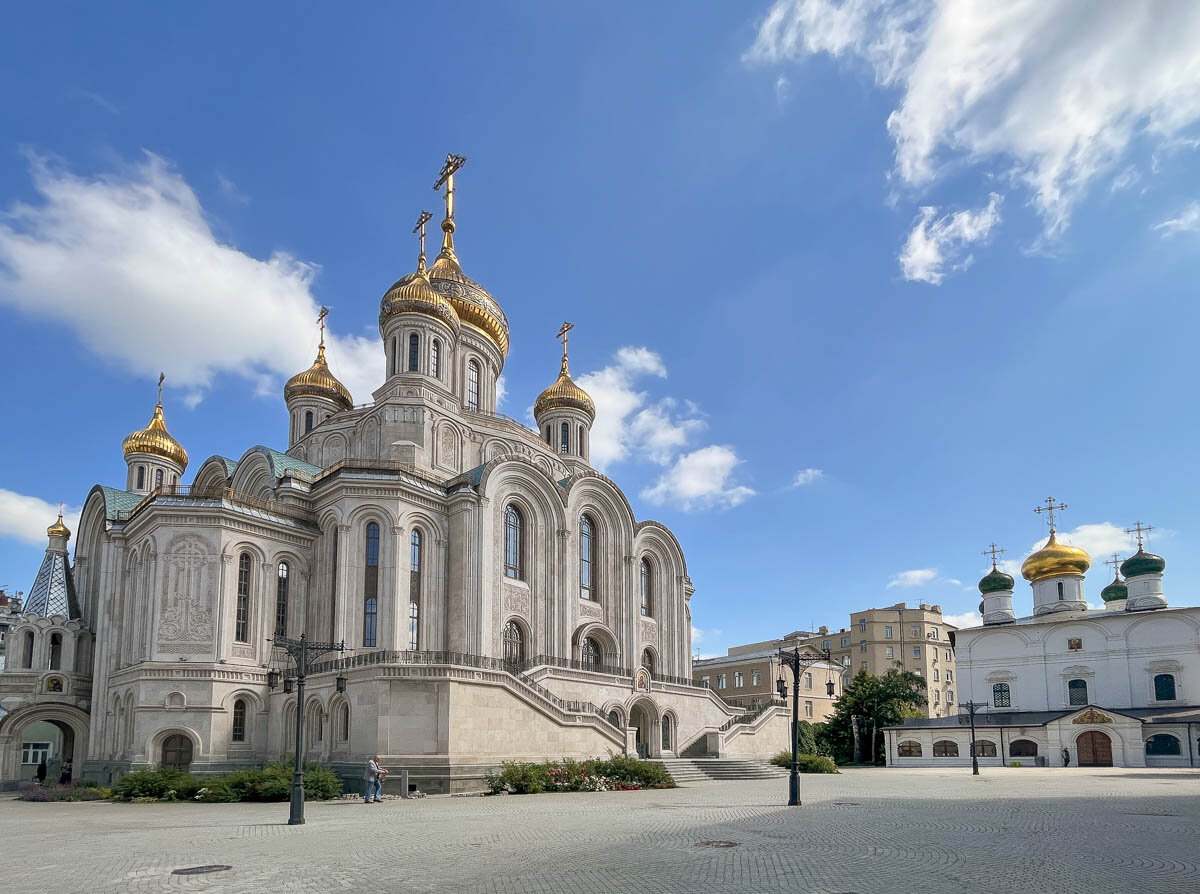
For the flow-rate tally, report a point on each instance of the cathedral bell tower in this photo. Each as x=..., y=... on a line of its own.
x=315, y=394
x=565, y=412
x=153, y=457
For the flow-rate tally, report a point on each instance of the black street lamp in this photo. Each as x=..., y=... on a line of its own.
x=969, y=717
x=303, y=654
x=795, y=660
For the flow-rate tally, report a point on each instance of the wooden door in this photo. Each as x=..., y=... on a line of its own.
x=1095, y=749
x=177, y=752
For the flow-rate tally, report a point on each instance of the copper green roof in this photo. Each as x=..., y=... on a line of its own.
x=282, y=464
x=1115, y=591
x=117, y=501
x=1143, y=562
x=995, y=581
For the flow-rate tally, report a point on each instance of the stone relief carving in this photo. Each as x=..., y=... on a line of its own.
x=185, y=621
x=516, y=602
x=590, y=610
x=649, y=630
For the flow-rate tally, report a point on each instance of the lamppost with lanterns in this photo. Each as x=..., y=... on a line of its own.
x=303, y=654
x=795, y=659
x=969, y=717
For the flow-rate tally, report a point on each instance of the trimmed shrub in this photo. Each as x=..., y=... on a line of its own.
x=805, y=763
x=624, y=768
x=78, y=791
x=162, y=783
x=272, y=782
x=617, y=773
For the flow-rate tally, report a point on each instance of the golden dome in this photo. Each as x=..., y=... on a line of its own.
x=1055, y=560
x=414, y=294
x=318, y=381
x=154, y=439
x=564, y=393
x=58, y=529
x=473, y=303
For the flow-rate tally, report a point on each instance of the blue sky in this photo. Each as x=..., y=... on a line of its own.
x=855, y=284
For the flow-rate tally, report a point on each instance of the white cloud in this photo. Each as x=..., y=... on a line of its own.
x=1050, y=95
x=700, y=480
x=937, y=241
x=966, y=619
x=917, y=577
x=26, y=518
x=502, y=391
x=230, y=190
x=1099, y=540
x=127, y=260
x=783, y=90
x=1125, y=179
x=806, y=477
x=1187, y=221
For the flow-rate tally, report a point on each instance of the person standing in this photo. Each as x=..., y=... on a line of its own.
x=1066, y=753
x=41, y=772
x=64, y=778
x=373, y=779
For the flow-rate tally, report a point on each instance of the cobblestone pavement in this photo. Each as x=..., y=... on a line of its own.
x=896, y=831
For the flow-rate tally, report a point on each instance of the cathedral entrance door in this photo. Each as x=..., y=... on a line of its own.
x=177, y=752
x=1095, y=749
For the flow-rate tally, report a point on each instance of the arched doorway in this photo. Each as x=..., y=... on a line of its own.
x=177, y=752
x=1094, y=749
x=54, y=733
x=643, y=719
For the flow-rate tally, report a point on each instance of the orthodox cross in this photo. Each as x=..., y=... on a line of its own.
x=1140, y=530
x=321, y=322
x=1115, y=562
x=562, y=334
x=425, y=218
x=1050, y=508
x=995, y=552
x=161, y=377
x=446, y=177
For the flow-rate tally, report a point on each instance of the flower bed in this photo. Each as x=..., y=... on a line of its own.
x=76, y=791
x=616, y=774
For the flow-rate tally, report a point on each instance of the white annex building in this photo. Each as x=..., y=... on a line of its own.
x=1069, y=685
x=497, y=597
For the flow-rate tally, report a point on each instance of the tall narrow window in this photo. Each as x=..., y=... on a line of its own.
x=1164, y=687
x=414, y=625
x=281, y=599
x=435, y=358
x=414, y=588
x=414, y=352
x=648, y=663
x=513, y=533
x=514, y=644
x=1001, y=696
x=55, y=651
x=239, y=720
x=1077, y=692
x=472, y=385
x=565, y=438
x=371, y=587
x=646, y=585
x=589, y=653
x=395, y=354
x=549, y=435
x=27, y=658
x=582, y=447
x=586, y=581
x=1060, y=591
x=666, y=732
x=308, y=421
x=343, y=726
x=141, y=477
x=158, y=477
x=241, y=628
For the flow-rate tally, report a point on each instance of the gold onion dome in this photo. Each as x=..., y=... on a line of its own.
x=155, y=440
x=564, y=393
x=1055, y=560
x=58, y=529
x=318, y=381
x=414, y=294
x=473, y=303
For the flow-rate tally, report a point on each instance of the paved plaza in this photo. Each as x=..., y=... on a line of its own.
x=863, y=831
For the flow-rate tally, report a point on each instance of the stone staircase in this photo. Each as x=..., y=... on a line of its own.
x=712, y=769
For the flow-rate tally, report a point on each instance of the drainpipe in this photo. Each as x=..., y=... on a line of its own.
x=1191, y=750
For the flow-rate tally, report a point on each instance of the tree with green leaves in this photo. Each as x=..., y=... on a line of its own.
x=873, y=702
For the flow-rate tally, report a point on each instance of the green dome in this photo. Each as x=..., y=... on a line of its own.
x=1114, y=591
x=995, y=581
x=1143, y=562
x=981, y=606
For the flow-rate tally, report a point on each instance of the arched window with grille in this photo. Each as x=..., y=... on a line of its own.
x=158, y=477
x=281, y=598
x=909, y=748
x=141, y=477
x=239, y=720
x=1001, y=695
x=985, y=748
x=945, y=748
x=308, y=421
x=666, y=732
x=587, y=573
x=1164, y=687
x=472, y=385
x=415, y=561
x=241, y=626
x=414, y=352
x=435, y=358
x=564, y=438
x=1162, y=744
x=513, y=547
x=646, y=587
x=514, y=644
x=589, y=653
x=371, y=587
x=1077, y=692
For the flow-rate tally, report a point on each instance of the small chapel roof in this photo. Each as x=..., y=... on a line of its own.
x=53, y=590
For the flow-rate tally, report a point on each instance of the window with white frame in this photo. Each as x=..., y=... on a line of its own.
x=34, y=752
x=862, y=645
x=845, y=661
x=916, y=632
x=704, y=682
x=916, y=651
x=948, y=655
x=808, y=709
x=937, y=674
x=755, y=678
x=720, y=681
x=808, y=681
x=862, y=626
x=890, y=652
x=887, y=631
x=845, y=641
x=738, y=680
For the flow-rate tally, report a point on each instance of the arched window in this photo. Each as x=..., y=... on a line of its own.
x=27, y=658
x=55, y=662
x=472, y=385
x=1164, y=687
x=241, y=626
x=646, y=587
x=909, y=748
x=371, y=587
x=414, y=352
x=308, y=421
x=141, y=477
x=614, y=717
x=1077, y=692
x=281, y=599
x=513, y=534
x=666, y=732
x=174, y=480
x=1162, y=744
x=985, y=748
x=1060, y=591
x=158, y=477
x=587, y=580
x=648, y=661
x=343, y=722
x=514, y=644
x=1022, y=748
x=1001, y=696
x=435, y=358
x=414, y=588
x=239, y=720
x=589, y=653
x=945, y=748
x=564, y=438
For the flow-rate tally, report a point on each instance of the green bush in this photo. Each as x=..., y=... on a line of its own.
x=619, y=772
x=523, y=779
x=625, y=768
x=272, y=782
x=805, y=763
x=157, y=783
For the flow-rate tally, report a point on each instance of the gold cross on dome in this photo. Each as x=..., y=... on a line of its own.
x=1140, y=530
x=425, y=218
x=1050, y=508
x=321, y=322
x=1115, y=562
x=562, y=335
x=995, y=552
x=161, y=377
x=445, y=178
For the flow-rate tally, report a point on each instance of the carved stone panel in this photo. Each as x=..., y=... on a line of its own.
x=516, y=602
x=649, y=631
x=590, y=610
x=189, y=586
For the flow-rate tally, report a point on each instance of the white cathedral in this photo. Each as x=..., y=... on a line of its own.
x=1070, y=685
x=496, y=596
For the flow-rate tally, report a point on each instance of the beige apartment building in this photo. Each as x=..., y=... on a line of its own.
x=916, y=638
x=747, y=676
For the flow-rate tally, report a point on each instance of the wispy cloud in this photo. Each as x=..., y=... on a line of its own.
x=26, y=518
x=702, y=479
x=937, y=241
x=97, y=100
x=1187, y=221
x=916, y=577
x=229, y=190
x=806, y=477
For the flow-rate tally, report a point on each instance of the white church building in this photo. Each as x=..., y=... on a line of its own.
x=497, y=597
x=1069, y=685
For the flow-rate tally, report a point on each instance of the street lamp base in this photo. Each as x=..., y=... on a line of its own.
x=793, y=790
